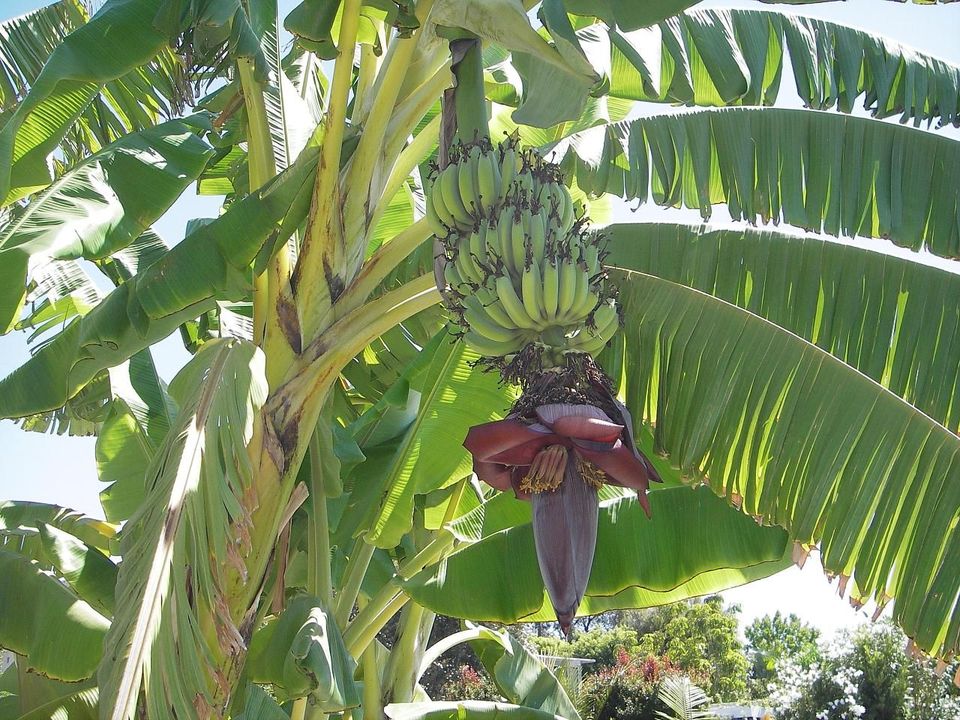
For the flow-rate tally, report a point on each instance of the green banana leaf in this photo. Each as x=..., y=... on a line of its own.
x=804, y=441
x=719, y=56
x=211, y=263
x=20, y=518
x=90, y=573
x=885, y=316
x=139, y=416
x=465, y=710
x=55, y=633
x=638, y=562
x=29, y=695
x=133, y=101
x=80, y=705
x=823, y=172
x=626, y=14
x=521, y=678
x=301, y=654
x=503, y=510
x=630, y=14
x=101, y=205
x=174, y=545
x=70, y=80
x=258, y=705
x=453, y=396
x=216, y=32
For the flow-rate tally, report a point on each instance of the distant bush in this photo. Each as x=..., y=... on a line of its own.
x=626, y=690
x=468, y=684
x=601, y=646
x=865, y=675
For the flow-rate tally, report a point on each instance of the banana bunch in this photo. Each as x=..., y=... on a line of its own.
x=512, y=283
x=481, y=177
x=519, y=268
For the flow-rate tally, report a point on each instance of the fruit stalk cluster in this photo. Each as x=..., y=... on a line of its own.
x=520, y=267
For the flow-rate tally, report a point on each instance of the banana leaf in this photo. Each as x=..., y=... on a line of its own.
x=881, y=314
x=70, y=80
x=638, y=562
x=211, y=263
x=722, y=57
x=174, y=546
x=805, y=442
x=838, y=175
x=101, y=205
x=55, y=633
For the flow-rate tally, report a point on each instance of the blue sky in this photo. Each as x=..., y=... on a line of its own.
x=61, y=470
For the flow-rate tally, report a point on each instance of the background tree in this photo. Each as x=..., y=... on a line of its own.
x=865, y=674
x=701, y=638
x=772, y=639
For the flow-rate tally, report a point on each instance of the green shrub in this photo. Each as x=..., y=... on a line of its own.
x=625, y=690
x=601, y=646
x=468, y=684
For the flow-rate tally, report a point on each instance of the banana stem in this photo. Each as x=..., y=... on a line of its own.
x=372, y=698
x=470, y=99
x=411, y=156
x=366, y=74
x=321, y=252
x=381, y=264
x=318, y=539
x=271, y=288
x=365, y=162
x=262, y=167
x=412, y=110
x=349, y=335
x=352, y=580
x=454, y=502
x=441, y=646
x=371, y=620
x=402, y=665
x=391, y=598
x=299, y=709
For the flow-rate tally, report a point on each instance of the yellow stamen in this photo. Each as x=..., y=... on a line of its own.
x=591, y=474
x=546, y=470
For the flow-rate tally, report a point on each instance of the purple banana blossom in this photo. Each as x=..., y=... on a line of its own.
x=558, y=460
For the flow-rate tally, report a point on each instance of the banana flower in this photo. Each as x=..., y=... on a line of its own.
x=558, y=460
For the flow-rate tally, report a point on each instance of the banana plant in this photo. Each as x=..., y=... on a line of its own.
x=303, y=479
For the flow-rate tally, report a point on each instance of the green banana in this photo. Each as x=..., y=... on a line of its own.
x=567, y=287
x=433, y=218
x=478, y=319
x=450, y=193
x=585, y=306
x=492, y=241
x=593, y=341
x=581, y=295
x=444, y=216
x=538, y=235
x=518, y=240
x=505, y=231
x=566, y=208
x=488, y=181
x=467, y=181
x=491, y=348
x=513, y=305
x=452, y=275
x=592, y=257
x=478, y=247
x=532, y=293
x=494, y=308
x=551, y=288
x=466, y=266
x=508, y=170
